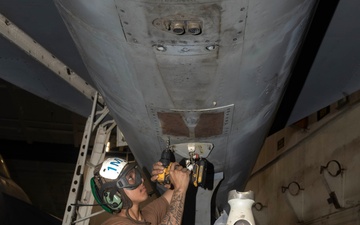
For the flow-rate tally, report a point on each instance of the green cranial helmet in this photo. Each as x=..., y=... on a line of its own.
x=110, y=178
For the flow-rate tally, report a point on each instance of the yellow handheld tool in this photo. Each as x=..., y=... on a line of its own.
x=167, y=157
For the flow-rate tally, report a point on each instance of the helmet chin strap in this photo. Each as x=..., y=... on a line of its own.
x=132, y=218
x=127, y=203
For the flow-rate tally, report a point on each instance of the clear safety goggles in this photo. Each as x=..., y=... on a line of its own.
x=130, y=178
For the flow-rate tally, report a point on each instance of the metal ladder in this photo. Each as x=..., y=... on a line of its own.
x=80, y=200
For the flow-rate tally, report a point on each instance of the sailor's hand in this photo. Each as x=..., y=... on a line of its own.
x=157, y=169
x=179, y=176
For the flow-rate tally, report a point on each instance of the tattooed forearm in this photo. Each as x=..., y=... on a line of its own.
x=176, y=209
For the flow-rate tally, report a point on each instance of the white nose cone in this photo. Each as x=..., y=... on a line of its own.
x=240, y=208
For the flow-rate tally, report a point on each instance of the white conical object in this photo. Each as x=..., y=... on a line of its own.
x=240, y=208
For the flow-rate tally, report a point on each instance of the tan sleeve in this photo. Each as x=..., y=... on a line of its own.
x=117, y=220
x=155, y=210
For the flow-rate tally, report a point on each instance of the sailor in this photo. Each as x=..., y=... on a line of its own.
x=118, y=187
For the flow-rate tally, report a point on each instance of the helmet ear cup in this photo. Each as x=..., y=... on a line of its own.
x=115, y=203
x=105, y=202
